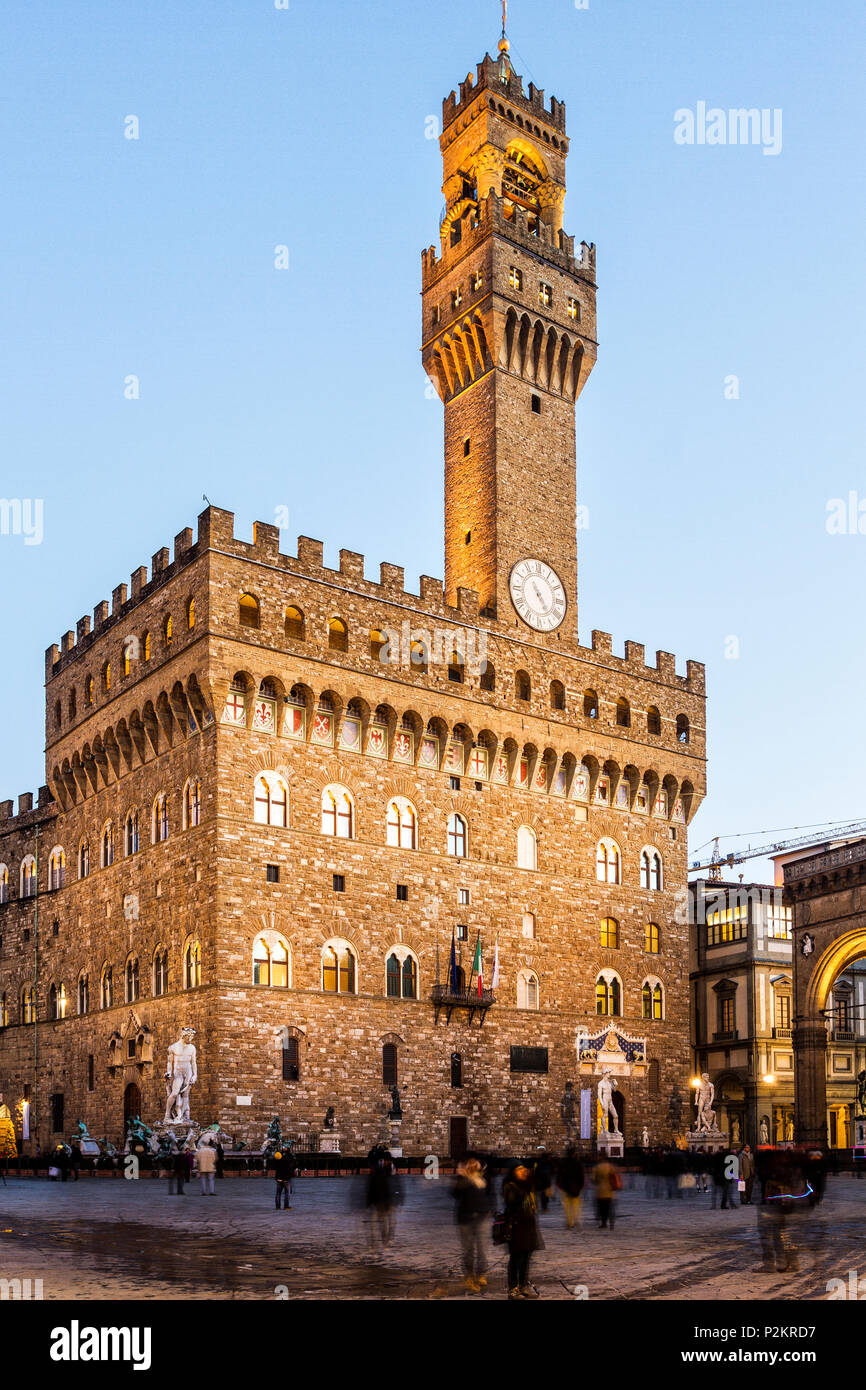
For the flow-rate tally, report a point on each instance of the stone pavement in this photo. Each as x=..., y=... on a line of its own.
x=117, y=1239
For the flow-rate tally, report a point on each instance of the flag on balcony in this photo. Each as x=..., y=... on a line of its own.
x=476, y=964
x=494, y=983
x=453, y=971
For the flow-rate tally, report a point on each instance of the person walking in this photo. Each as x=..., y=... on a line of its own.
x=75, y=1159
x=607, y=1183
x=220, y=1160
x=284, y=1172
x=472, y=1195
x=542, y=1175
x=381, y=1199
x=521, y=1216
x=747, y=1174
x=205, y=1162
x=570, y=1180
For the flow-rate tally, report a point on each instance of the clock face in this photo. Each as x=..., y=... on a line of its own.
x=538, y=595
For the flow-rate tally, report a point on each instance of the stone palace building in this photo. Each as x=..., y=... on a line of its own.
x=276, y=792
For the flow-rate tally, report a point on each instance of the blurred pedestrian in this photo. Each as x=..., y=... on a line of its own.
x=205, y=1163
x=607, y=1182
x=570, y=1179
x=472, y=1195
x=75, y=1159
x=382, y=1197
x=542, y=1175
x=747, y=1175
x=521, y=1215
x=220, y=1160
x=284, y=1172
x=785, y=1186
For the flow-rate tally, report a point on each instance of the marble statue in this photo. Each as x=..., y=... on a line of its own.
x=735, y=1130
x=645, y=1137
x=704, y=1097
x=765, y=1131
x=181, y=1074
x=606, y=1087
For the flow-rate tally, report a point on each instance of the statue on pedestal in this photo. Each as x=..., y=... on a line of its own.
x=704, y=1096
x=606, y=1088
x=861, y=1092
x=645, y=1137
x=330, y=1118
x=273, y=1138
x=180, y=1075
x=396, y=1112
x=765, y=1130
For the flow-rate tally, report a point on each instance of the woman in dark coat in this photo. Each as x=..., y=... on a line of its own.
x=521, y=1217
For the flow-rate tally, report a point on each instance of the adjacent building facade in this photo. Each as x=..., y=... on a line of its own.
x=744, y=1015
x=278, y=792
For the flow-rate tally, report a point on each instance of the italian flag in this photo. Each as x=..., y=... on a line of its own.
x=476, y=965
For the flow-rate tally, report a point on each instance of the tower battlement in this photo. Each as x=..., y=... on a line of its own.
x=489, y=78
x=552, y=243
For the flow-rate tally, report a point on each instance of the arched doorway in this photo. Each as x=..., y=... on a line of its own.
x=131, y=1103
x=826, y=891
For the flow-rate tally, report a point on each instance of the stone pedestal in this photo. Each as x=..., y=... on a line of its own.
x=712, y=1141
x=329, y=1142
x=610, y=1143
x=394, y=1141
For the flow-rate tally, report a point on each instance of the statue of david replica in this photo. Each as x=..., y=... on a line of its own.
x=180, y=1075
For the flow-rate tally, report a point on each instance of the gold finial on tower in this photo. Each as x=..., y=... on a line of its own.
x=504, y=45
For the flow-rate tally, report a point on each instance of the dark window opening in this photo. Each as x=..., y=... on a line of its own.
x=402, y=892
x=389, y=1065
x=467, y=447
x=536, y=405
x=456, y=1069
x=57, y=1125
x=91, y=1073
x=454, y=783
x=339, y=883
x=273, y=873
x=291, y=1067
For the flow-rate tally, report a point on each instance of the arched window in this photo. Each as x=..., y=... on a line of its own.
x=271, y=963
x=191, y=804
x=653, y=721
x=652, y=1000
x=248, y=611
x=83, y=994
x=27, y=885
x=88, y=690
x=608, y=862
x=590, y=704
x=146, y=646
x=457, y=836
x=192, y=965
x=131, y=833
x=652, y=940
x=271, y=804
x=608, y=995
x=401, y=974
x=610, y=932
x=106, y=676
x=527, y=990
x=84, y=859
x=651, y=870
x=338, y=635
x=389, y=1064
x=623, y=713
x=338, y=968
x=160, y=972
x=338, y=813
x=73, y=703
x=295, y=624
x=57, y=868
x=131, y=979
x=106, y=987
x=402, y=824
x=291, y=1051
x=4, y=884
x=159, y=828
x=57, y=1002
x=190, y=614
x=522, y=685
x=557, y=695
x=106, y=854
x=127, y=657
x=488, y=676
x=167, y=630
x=28, y=1004
x=682, y=729
x=378, y=645
x=527, y=848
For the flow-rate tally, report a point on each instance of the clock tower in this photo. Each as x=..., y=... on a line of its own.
x=509, y=339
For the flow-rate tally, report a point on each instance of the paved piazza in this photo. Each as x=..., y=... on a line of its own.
x=109, y=1238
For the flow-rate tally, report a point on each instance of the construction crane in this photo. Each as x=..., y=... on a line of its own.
x=718, y=861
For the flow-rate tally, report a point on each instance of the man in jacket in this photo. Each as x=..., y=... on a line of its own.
x=205, y=1162
x=284, y=1172
x=747, y=1174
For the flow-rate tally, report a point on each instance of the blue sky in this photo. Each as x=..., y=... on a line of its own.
x=303, y=388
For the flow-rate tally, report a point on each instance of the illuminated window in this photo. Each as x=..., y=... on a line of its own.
x=652, y=943
x=88, y=691
x=545, y=294
x=295, y=623
x=159, y=828
x=402, y=824
x=167, y=630
x=4, y=884
x=248, y=611
x=477, y=281
x=107, y=846
x=527, y=848
x=338, y=635
x=191, y=804
x=573, y=309
x=457, y=836
x=57, y=868
x=652, y=1000
x=192, y=966
x=145, y=646
x=271, y=963
x=338, y=968
x=338, y=813
x=28, y=1005
x=190, y=614
x=515, y=278
x=610, y=932
x=608, y=995
x=608, y=863
x=271, y=801
x=106, y=676
x=527, y=990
